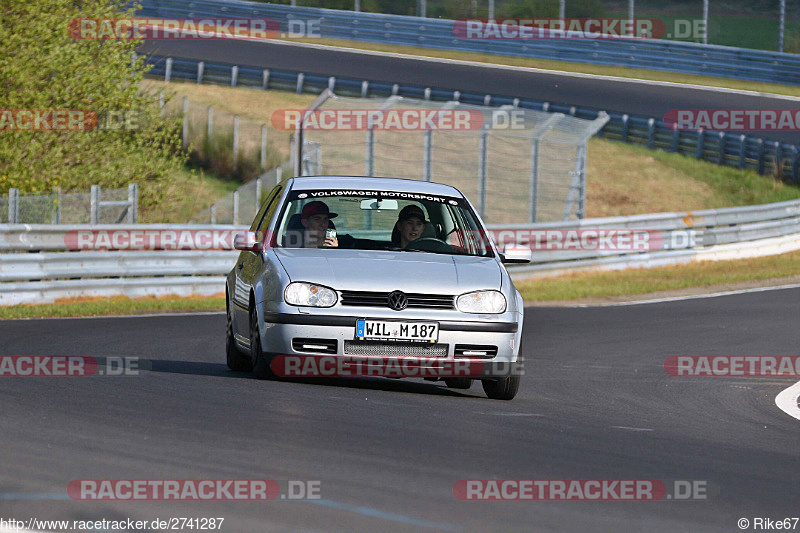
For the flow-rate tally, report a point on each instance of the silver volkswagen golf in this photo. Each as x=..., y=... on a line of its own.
x=366, y=267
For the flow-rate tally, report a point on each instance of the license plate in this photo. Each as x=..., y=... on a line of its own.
x=371, y=330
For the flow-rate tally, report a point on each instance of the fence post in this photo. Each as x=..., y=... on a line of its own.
x=258, y=193
x=533, y=198
x=428, y=151
x=234, y=75
x=185, y=131
x=236, y=207
x=201, y=67
x=94, y=204
x=278, y=172
x=483, y=164
x=13, y=206
x=58, y=205
x=214, y=214
x=161, y=100
x=370, y=152
x=235, y=140
x=133, y=200
x=210, y=124
x=263, y=147
x=332, y=83
x=168, y=70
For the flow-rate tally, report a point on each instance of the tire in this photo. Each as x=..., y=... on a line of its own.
x=458, y=383
x=237, y=361
x=259, y=361
x=505, y=389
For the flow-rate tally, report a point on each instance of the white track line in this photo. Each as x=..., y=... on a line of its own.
x=679, y=298
x=787, y=401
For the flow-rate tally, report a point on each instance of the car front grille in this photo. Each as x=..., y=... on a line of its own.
x=394, y=348
x=381, y=299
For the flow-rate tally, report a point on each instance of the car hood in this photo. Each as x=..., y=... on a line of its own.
x=387, y=271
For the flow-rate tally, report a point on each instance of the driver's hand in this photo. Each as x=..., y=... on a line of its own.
x=331, y=242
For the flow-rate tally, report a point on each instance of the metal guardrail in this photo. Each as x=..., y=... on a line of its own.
x=723, y=148
x=42, y=277
x=653, y=54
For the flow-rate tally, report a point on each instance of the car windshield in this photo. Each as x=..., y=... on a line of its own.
x=381, y=220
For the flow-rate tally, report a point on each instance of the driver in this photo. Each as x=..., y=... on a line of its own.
x=316, y=219
x=410, y=224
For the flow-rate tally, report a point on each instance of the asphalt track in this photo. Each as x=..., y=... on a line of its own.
x=646, y=99
x=595, y=403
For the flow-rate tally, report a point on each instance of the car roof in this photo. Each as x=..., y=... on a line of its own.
x=301, y=183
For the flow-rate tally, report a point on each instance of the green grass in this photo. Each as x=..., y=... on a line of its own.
x=113, y=306
x=645, y=281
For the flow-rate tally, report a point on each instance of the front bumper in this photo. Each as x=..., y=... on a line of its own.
x=280, y=329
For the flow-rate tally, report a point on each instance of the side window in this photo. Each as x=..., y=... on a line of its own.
x=272, y=204
x=265, y=207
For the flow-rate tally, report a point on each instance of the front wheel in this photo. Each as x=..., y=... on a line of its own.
x=236, y=360
x=505, y=389
x=258, y=360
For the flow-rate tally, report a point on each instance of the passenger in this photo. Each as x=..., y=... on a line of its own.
x=410, y=225
x=315, y=218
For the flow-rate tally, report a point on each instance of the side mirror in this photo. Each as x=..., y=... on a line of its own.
x=247, y=242
x=514, y=253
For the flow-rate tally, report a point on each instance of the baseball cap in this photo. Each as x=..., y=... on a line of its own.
x=411, y=211
x=316, y=208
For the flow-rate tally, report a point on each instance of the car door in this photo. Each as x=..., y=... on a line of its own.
x=249, y=264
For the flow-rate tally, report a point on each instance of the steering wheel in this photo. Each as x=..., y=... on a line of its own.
x=429, y=244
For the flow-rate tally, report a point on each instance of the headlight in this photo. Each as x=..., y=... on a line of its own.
x=481, y=302
x=308, y=294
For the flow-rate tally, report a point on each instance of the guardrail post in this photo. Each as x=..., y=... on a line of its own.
x=676, y=138
x=721, y=148
x=515, y=102
x=761, y=156
x=428, y=150
x=168, y=70
x=795, y=164
x=234, y=75
x=456, y=96
x=201, y=67
x=265, y=79
x=742, y=150
x=185, y=129
x=395, y=89
x=701, y=144
x=483, y=165
x=300, y=78
x=370, y=152
x=427, y=93
x=235, y=140
x=364, y=88
x=94, y=204
x=545, y=106
x=625, y=128
x=533, y=194
x=778, y=159
x=133, y=200
x=332, y=83
x=651, y=132
x=236, y=207
x=263, y=147
x=487, y=100
x=13, y=206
